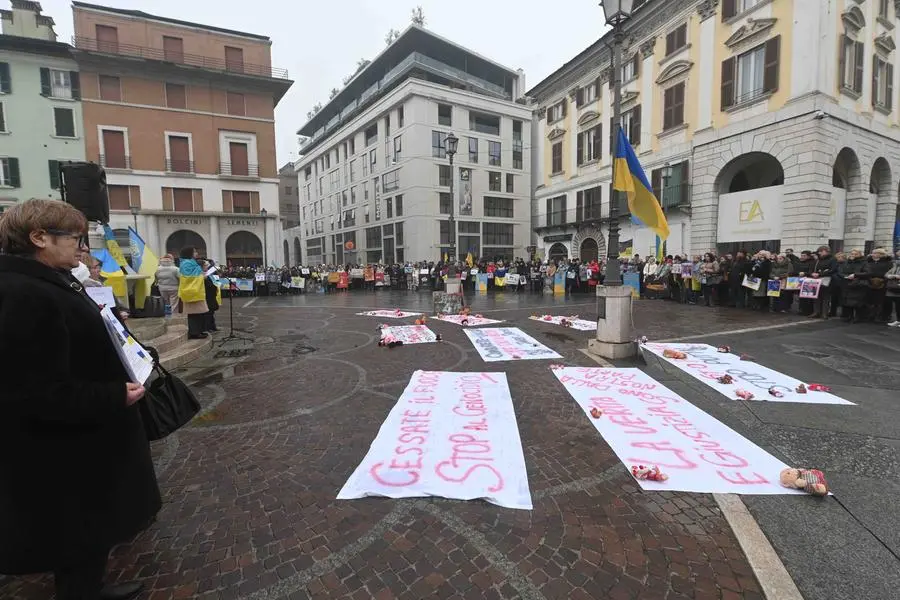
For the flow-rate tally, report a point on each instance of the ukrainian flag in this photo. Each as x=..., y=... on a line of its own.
x=113, y=246
x=629, y=178
x=145, y=263
x=112, y=273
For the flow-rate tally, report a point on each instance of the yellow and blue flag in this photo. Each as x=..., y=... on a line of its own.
x=145, y=262
x=113, y=246
x=112, y=273
x=630, y=178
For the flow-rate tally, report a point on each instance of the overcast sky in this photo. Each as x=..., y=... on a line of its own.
x=319, y=42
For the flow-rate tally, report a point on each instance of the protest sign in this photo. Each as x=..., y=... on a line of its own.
x=508, y=343
x=246, y=285
x=298, y=283
x=513, y=279
x=792, y=284
x=410, y=334
x=573, y=322
x=559, y=283
x=773, y=288
x=809, y=288
x=647, y=424
x=102, y=295
x=389, y=314
x=706, y=363
x=471, y=320
x=134, y=357
x=452, y=435
x=751, y=283
x=482, y=282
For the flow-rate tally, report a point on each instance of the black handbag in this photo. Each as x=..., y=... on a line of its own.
x=168, y=405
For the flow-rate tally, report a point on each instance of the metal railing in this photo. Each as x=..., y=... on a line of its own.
x=234, y=170
x=115, y=162
x=179, y=166
x=573, y=216
x=194, y=60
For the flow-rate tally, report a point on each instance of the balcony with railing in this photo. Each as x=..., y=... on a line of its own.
x=179, y=166
x=571, y=217
x=210, y=63
x=674, y=196
x=121, y=161
x=238, y=170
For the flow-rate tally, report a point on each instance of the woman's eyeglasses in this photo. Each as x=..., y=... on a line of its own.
x=81, y=238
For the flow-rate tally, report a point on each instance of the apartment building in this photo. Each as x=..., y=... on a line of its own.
x=181, y=116
x=374, y=175
x=760, y=124
x=40, y=105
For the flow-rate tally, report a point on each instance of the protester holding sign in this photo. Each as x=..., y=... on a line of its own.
x=192, y=293
x=76, y=475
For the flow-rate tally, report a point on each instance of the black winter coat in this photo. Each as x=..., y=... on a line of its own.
x=76, y=476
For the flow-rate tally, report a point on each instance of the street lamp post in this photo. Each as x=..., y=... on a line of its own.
x=614, y=331
x=134, y=213
x=450, y=145
x=616, y=12
x=264, y=214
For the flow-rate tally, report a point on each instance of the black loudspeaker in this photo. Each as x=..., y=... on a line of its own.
x=84, y=187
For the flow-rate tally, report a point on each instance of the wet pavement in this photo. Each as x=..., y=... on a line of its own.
x=290, y=408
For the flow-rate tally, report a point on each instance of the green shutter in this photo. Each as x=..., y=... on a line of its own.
x=75, y=79
x=54, y=174
x=5, y=79
x=14, y=179
x=46, y=89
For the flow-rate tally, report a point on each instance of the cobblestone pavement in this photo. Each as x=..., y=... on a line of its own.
x=249, y=488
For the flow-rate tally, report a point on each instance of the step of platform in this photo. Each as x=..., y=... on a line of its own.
x=185, y=352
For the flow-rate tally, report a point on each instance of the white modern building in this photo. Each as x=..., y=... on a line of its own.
x=374, y=176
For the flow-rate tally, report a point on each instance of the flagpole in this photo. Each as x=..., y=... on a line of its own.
x=613, y=272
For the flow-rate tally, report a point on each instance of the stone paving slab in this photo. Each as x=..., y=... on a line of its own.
x=249, y=488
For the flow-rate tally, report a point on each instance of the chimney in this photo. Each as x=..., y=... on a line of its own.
x=25, y=20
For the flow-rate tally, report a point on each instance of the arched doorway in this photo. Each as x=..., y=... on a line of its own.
x=845, y=179
x=184, y=238
x=243, y=249
x=750, y=171
x=880, y=204
x=747, y=217
x=558, y=252
x=287, y=254
x=590, y=250
x=298, y=254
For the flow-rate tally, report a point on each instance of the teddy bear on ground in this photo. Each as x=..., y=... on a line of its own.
x=811, y=481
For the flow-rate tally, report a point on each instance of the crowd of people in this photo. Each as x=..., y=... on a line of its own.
x=853, y=286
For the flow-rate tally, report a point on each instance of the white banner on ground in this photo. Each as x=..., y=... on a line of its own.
x=452, y=435
x=706, y=363
x=647, y=424
x=471, y=320
x=389, y=314
x=410, y=334
x=508, y=343
x=574, y=323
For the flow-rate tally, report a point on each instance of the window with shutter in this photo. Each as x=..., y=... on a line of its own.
x=110, y=88
x=727, y=89
x=9, y=172
x=235, y=104
x=676, y=39
x=234, y=59
x=113, y=150
x=673, y=106
x=119, y=197
x=772, y=60
x=2, y=117
x=53, y=167
x=176, y=95
x=729, y=9
x=859, y=59
x=173, y=48
x=557, y=162
x=580, y=150
x=5, y=79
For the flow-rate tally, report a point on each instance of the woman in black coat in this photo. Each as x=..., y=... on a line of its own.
x=76, y=476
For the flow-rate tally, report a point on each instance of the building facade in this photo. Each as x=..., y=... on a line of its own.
x=288, y=197
x=375, y=177
x=759, y=123
x=41, y=119
x=181, y=116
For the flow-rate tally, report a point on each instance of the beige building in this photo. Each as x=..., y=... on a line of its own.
x=759, y=124
x=181, y=115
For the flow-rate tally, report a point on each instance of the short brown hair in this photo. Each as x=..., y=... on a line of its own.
x=17, y=223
